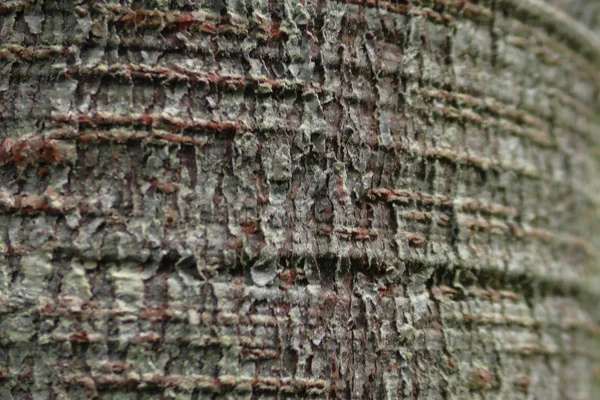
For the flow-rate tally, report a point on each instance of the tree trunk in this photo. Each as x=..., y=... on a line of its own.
x=343, y=199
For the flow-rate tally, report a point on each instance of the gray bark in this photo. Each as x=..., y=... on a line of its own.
x=252, y=199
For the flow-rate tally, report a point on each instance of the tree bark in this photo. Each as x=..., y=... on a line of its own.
x=343, y=199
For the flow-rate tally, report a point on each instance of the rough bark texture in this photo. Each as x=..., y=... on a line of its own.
x=253, y=199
